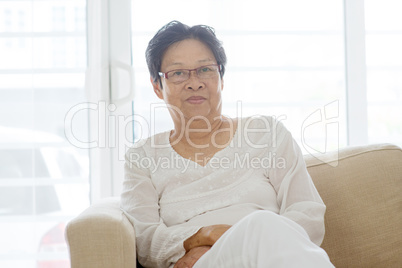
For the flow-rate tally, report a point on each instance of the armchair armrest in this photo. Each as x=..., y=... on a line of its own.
x=101, y=237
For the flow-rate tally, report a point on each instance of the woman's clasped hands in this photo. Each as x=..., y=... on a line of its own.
x=198, y=244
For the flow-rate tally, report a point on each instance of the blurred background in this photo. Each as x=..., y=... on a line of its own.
x=75, y=93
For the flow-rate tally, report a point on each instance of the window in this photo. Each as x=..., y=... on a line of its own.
x=44, y=180
x=384, y=70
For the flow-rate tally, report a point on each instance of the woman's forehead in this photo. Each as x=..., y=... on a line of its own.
x=187, y=52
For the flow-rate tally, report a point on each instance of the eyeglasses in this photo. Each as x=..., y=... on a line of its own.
x=181, y=75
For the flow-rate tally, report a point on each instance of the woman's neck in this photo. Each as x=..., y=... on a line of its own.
x=202, y=132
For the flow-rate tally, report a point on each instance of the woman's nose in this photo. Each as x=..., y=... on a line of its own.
x=193, y=82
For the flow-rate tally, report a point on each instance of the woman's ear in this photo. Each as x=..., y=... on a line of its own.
x=157, y=88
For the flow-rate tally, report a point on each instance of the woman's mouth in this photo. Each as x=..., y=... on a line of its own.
x=196, y=100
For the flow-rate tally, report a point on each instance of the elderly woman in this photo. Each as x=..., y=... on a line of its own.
x=216, y=191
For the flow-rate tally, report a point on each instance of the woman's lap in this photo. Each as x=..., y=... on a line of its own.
x=264, y=239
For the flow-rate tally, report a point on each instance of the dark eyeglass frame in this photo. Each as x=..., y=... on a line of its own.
x=165, y=75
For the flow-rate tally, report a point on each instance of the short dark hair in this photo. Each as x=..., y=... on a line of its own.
x=176, y=31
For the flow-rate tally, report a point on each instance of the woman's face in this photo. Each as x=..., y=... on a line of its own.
x=195, y=96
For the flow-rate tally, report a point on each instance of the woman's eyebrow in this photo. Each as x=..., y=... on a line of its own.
x=180, y=63
x=174, y=64
x=205, y=60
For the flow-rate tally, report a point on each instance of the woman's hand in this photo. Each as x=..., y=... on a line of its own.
x=206, y=236
x=191, y=257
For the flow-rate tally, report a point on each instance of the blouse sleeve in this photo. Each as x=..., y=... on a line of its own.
x=157, y=244
x=297, y=196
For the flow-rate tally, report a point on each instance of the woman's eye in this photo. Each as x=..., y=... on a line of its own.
x=177, y=73
x=205, y=69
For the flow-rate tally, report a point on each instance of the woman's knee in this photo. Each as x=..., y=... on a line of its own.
x=262, y=218
x=258, y=225
x=272, y=224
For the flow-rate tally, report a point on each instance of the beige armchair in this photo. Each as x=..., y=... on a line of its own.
x=361, y=186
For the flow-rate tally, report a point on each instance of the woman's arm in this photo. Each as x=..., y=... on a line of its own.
x=157, y=244
x=296, y=194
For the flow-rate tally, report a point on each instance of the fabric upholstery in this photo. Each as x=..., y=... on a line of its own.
x=101, y=237
x=361, y=187
x=363, y=195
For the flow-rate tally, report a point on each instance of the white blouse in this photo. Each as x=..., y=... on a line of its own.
x=169, y=198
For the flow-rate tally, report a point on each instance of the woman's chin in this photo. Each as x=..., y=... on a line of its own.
x=197, y=114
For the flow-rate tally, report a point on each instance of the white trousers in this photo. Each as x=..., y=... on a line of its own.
x=264, y=239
